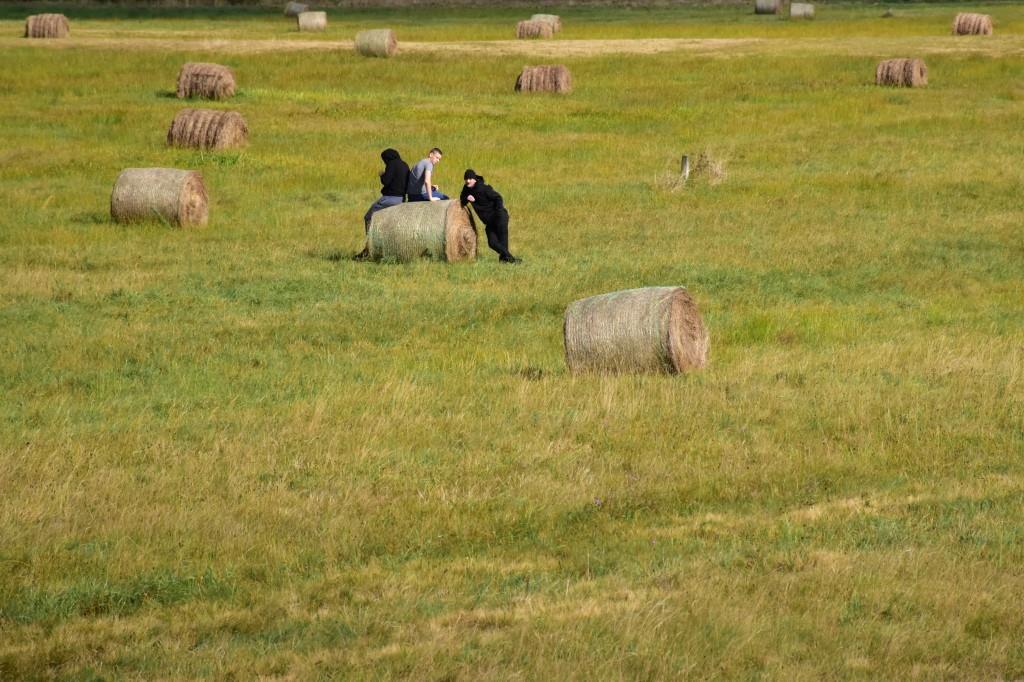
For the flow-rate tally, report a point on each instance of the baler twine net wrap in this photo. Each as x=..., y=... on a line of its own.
x=534, y=29
x=311, y=21
x=971, y=24
x=441, y=230
x=207, y=129
x=47, y=26
x=378, y=42
x=207, y=81
x=904, y=73
x=177, y=197
x=546, y=78
x=653, y=329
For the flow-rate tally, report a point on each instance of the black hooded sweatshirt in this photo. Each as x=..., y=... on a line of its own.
x=395, y=175
x=488, y=203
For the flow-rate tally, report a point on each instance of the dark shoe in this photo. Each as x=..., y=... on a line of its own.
x=362, y=255
x=510, y=261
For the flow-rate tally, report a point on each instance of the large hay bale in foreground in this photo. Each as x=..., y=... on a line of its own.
x=311, y=21
x=379, y=42
x=971, y=24
x=767, y=6
x=442, y=230
x=654, y=329
x=547, y=78
x=47, y=26
x=169, y=195
x=294, y=9
x=534, y=29
x=207, y=129
x=801, y=10
x=902, y=73
x=206, y=81
x=553, y=19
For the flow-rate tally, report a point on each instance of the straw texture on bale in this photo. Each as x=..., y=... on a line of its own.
x=380, y=42
x=294, y=9
x=206, y=81
x=902, y=73
x=801, y=10
x=766, y=6
x=441, y=230
x=548, y=78
x=534, y=29
x=207, y=129
x=654, y=329
x=553, y=19
x=312, y=21
x=47, y=26
x=970, y=24
x=168, y=195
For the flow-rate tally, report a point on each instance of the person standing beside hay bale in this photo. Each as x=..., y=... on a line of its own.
x=172, y=196
x=440, y=230
x=553, y=19
x=421, y=179
x=393, y=181
x=207, y=129
x=380, y=42
x=47, y=26
x=654, y=329
x=534, y=29
x=205, y=81
x=547, y=78
x=971, y=24
x=902, y=73
x=311, y=21
x=490, y=208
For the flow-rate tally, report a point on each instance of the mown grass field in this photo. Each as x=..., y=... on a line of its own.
x=234, y=452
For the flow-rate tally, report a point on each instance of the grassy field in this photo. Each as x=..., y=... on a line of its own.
x=234, y=452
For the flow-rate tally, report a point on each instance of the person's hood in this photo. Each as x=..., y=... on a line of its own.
x=389, y=155
x=470, y=173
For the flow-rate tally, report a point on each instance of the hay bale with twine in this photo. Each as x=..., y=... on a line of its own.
x=169, y=195
x=379, y=42
x=553, y=19
x=47, y=26
x=534, y=29
x=207, y=129
x=767, y=6
x=654, y=329
x=971, y=24
x=441, y=230
x=801, y=10
x=294, y=9
x=902, y=73
x=311, y=21
x=547, y=78
x=205, y=81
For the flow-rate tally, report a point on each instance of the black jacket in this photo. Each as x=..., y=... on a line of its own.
x=395, y=176
x=486, y=201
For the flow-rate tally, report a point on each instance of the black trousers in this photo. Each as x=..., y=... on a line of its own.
x=496, y=228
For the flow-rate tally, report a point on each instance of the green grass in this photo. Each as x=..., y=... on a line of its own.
x=235, y=452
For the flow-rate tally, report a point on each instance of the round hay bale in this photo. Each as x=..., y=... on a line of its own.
x=206, y=81
x=380, y=42
x=534, y=29
x=801, y=10
x=169, y=195
x=902, y=73
x=207, y=129
x=294, y=9
x=547, y=78
x=767, y=6
x=441, y=230
x=47, y=26
x=311, y=21
x=971, y=24
x=553, y=19
x=654, y=329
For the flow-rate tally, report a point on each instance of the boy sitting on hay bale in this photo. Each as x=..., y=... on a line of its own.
x=421, y=178
x=490, y=208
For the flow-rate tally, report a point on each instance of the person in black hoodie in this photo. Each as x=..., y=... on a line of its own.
x=392, y=188
x=490, y=208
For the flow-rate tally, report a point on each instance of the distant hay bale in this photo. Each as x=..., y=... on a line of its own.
x=903, y=73
x=311, y=21
x=294, y=9
x=801, y=10
x=169, y=195
x=654, y=329
x=534, y=29
x=767, y=6
x=207, y=129
x=379, y=42
x=206, y=81
x=47, y=26
x=553, y=19
x=441, y=230
x=547, y=78
x=970, y=24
